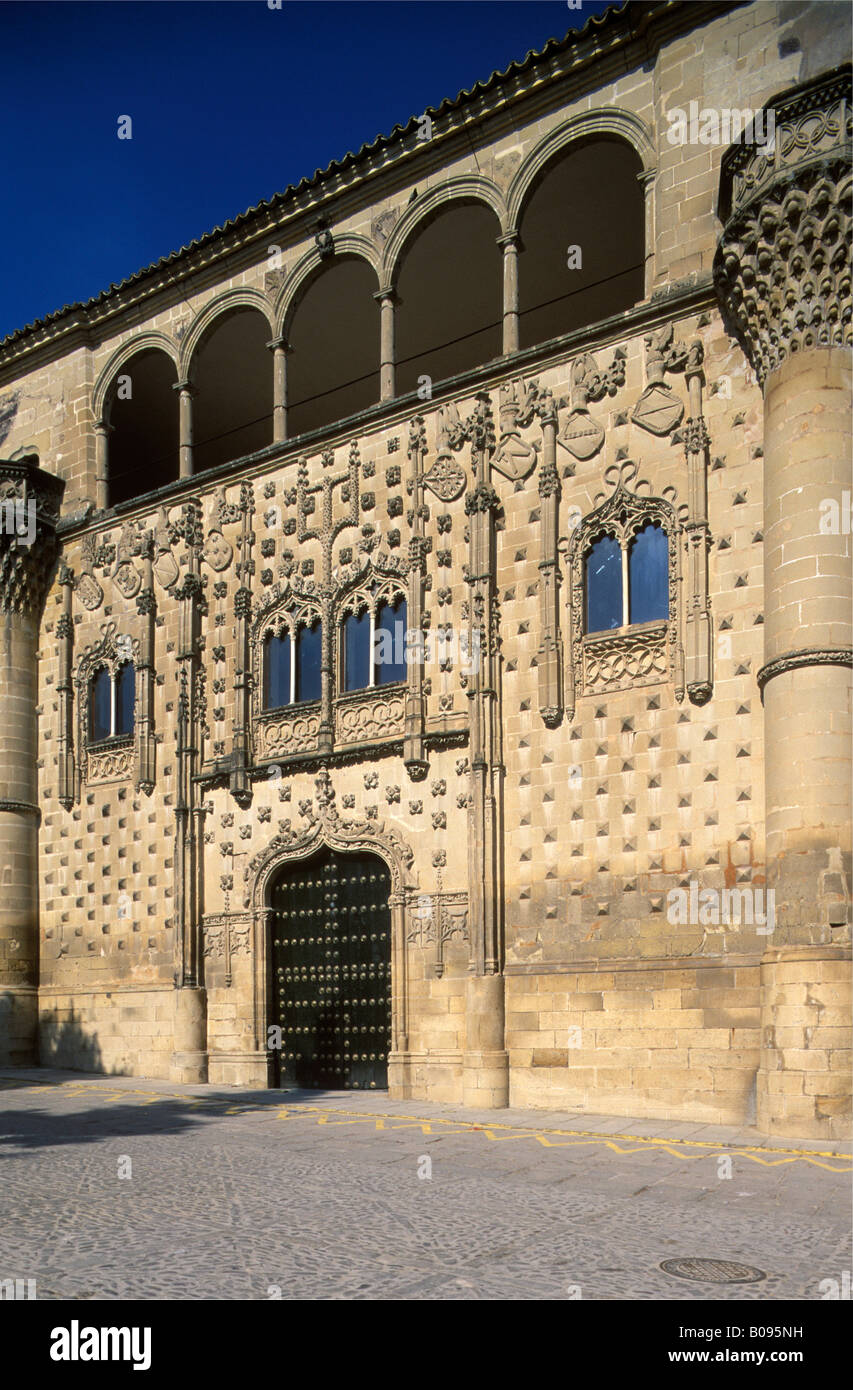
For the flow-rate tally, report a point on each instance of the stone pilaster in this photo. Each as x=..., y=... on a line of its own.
x=29, y=510
x=782, y=274
x=550, y=655
x=485, y=1080
x=414, y=754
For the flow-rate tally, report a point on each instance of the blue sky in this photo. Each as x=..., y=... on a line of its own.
x=230, y=102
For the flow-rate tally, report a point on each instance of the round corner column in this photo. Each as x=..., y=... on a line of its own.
x=28, y=549
x=782, y=275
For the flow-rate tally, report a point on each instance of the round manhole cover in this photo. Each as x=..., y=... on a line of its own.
x=713, y=1271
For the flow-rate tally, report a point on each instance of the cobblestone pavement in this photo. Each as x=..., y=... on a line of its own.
x=258, y=1195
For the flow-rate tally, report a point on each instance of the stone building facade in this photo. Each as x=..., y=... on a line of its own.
x=566, y=392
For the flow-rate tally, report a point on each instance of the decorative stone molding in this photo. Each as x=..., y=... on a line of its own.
x=114, y=764
x=782, y=269
x=225, y=935
x=808, y=656
x=282, y=733
x=367, y=592
x=620, y=662
x=435, y=919
x=414, y=720
x=324, y=827
x=658, y=409
x=374, y=715
x=514, y=457
x=581, y=436
x=21, y=808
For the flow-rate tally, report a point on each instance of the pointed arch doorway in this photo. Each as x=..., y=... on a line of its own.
x=330, y=949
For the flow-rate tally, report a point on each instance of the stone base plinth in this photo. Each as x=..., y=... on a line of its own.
x=804, y=1077
x=18, y=1026
x=485, y=1080
x=249, y=1069
x=188, y=1068
x=188, y=1062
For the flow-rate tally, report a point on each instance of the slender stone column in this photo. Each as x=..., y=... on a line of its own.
x=102, y=464
x=28, y=515
x=279, y=348
x=387, y=303
x=646, y=179
x=783, y=278
x=509, y=243
x=188, y=1062
x=187, y=393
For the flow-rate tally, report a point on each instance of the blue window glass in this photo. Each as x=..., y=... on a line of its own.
x=308, y=657
x=100, y=706
x=125, y=695
x=357, y=651
x=648, y=575
x=603, y=576
x=277, y=671
x=390, y=648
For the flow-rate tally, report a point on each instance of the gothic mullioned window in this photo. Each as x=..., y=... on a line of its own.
x=624, y=622
x=111, y=703
x=373, y=646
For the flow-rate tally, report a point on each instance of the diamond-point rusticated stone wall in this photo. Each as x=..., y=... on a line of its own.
x=619, y=861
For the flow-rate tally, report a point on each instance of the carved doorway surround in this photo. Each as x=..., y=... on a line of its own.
x=325, y=828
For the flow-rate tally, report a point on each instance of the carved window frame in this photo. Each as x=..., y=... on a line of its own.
x=105, y=655
x=284, y=617
x=636, y=646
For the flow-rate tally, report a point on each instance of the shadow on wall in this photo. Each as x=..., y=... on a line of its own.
x=63, y=1043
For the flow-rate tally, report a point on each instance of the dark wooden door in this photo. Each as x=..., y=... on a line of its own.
x=331, y=971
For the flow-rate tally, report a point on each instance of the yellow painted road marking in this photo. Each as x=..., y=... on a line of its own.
x=496, y=1133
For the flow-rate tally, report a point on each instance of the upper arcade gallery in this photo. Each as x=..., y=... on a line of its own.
x=464, y=278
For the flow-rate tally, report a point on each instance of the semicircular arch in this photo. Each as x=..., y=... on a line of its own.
x=223, y=305
x=312, y=264
x=466, y=188
x=151, y=341
x=606, y=121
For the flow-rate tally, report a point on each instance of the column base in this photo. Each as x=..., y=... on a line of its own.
x=485, y=1080
x=188, y=1068
x=188, y=1063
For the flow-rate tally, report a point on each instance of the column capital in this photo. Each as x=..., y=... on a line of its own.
x=185, y=386
x=386, y=294
x=280, y=342
x=29, y=512
x=509, y=239
x=782, y=268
